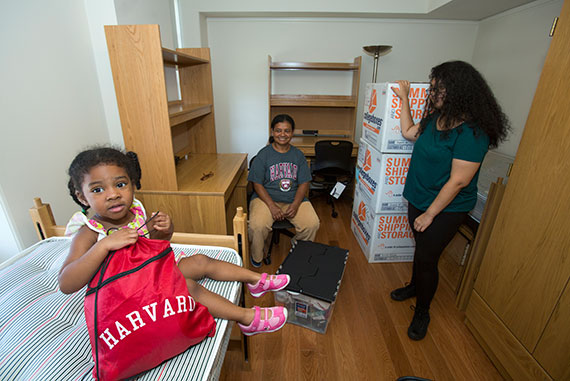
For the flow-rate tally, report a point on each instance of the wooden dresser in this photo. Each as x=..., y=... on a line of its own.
x=520, y=307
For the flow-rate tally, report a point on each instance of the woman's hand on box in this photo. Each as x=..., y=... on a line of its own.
x=403, y=90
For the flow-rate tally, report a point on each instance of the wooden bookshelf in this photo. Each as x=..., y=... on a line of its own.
x=164, y=133
x=180, y=113
x=320, y=116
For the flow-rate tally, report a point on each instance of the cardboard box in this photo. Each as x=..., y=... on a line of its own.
x=381, y=178
x=381, y=121
x=316, y=272
x=382, y=237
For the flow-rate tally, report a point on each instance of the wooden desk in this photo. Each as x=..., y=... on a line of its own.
x=204, y=203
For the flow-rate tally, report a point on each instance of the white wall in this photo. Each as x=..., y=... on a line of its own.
x=509, y=49
x=101, y=13
x=239, y=49
x=159, y=12
x=9, y=243
x=57, y=94
x=50, y=105
x=191, y=11
x=114, y=12
x=57, y=97
x=510, y=52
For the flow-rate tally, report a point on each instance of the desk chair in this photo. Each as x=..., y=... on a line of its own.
x=278, y=227
x=332, y=164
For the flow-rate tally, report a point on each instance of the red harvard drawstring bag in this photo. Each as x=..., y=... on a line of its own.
x=139, y=312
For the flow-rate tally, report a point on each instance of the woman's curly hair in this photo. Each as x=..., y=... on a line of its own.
x=84, y=161
x=467, y=97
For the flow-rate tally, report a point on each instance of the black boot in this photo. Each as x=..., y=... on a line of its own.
x=403, y=293
x=420, y=321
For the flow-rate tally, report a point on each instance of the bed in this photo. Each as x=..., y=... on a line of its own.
x=43, y=335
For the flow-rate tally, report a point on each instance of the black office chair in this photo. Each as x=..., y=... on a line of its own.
x=333, y=163
x=278, y=227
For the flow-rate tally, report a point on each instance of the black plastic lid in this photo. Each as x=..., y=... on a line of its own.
x=315, y=269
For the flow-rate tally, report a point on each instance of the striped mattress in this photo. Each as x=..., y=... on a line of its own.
x=43, y=335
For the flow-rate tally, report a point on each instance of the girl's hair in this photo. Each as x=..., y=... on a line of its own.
x=467, y=97
x=281, y=118
x=86, y=160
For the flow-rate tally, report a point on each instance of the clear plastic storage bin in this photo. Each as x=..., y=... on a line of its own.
x=316, y=272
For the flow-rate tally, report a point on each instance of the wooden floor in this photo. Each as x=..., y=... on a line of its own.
x=366, y=337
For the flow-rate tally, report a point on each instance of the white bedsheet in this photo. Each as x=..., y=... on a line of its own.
x=43, y=335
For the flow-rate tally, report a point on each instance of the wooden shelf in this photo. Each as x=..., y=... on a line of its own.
x=172, y=57
x=329, y=114
x=314, y=66
x=312, y=100
x=180, y=113
x=183, y=152
x=160, y=131
x=137, y=63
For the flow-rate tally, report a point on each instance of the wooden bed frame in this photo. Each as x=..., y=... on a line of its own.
x=45, y=226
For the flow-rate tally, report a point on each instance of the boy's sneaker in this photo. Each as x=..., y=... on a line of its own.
x=269, y=283
x=403, y=293
x=277, y=319
x=419, y=325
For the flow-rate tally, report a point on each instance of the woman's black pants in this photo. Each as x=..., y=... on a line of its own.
x=429, y=246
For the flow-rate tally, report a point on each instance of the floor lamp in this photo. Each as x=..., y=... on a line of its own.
x=376, y=51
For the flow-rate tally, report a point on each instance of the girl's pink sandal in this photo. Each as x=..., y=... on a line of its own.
x=274, y=323
x=269, y=283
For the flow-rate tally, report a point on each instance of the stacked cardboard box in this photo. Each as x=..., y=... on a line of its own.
x=379, y=216
x=381, y=121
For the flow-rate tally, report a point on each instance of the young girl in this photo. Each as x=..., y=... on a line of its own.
x=104, y=180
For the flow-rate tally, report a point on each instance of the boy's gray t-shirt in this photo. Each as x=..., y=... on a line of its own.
x=279, y=173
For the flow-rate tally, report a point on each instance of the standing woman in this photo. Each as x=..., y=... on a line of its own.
x=462, y=120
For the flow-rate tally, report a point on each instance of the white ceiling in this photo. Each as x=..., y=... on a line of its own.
x=474, y=9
